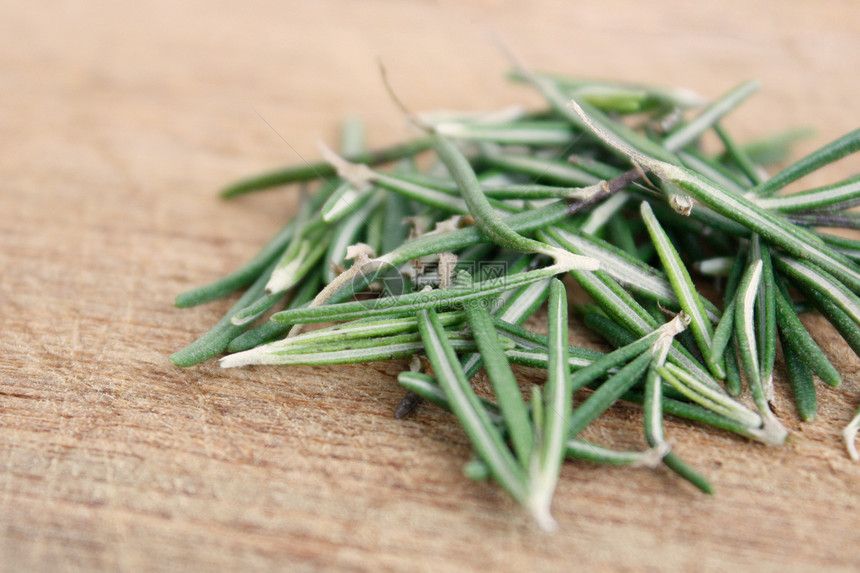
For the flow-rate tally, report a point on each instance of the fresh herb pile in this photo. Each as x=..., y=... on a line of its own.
x=441, y=261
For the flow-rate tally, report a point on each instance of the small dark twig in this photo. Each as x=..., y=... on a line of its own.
x=410, y=401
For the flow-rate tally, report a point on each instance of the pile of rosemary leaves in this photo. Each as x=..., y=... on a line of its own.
x=442, y=261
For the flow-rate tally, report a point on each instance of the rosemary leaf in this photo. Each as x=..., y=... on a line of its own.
x=800, y=377
x=219, y=336
x=546, y=465
x=511, y=403
x=486, y=218
x=322, y=169
x=794, y=335
x=414, y=301
x=486, y=439
x=833, y=151
x=269, y=330
x=835, y=196
x=689, y=132
x=691, y=302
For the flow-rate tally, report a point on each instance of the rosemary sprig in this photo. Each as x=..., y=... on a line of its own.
x=778, y=231
x=510, y=190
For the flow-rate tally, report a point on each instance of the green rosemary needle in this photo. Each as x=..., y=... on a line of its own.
x=689, y=132
x=349, y=352
x=511, y=403
x=835, y=196
x=653, y=415
x=551, y=439
x=322, y=169
x=685, y=290
x=746, y=337
x=414, y=301
x=589, y=451
x=833, y=151
x=216, y=340
x=542, y=170
x=795, y=335
x=486, y=218
x=800, y=377
x=270, y=330
x=765, y=316
x=532, y=133
x=660, y=96
x=486, y=439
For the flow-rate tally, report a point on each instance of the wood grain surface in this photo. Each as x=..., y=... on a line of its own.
x=118, y=123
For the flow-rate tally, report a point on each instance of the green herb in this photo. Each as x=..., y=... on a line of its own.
x=800, y=377
x=795, y=335
x=551, y=435
x=653, y=407
x=833, y=151
x=685, y=290
x=778, y=231
x=765, y=319
x=511, y=403
x=835, y=196
x=447, y=263
x=321, y=169
x=486, y=439
x=691, y=131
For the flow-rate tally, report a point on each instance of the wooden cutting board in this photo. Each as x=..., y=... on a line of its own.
x=119, y=121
